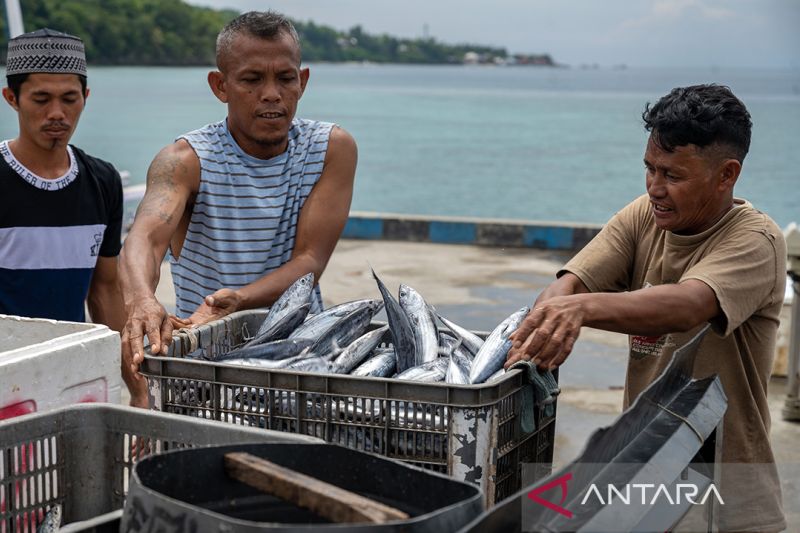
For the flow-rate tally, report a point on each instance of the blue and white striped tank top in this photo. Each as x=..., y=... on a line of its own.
x=244, y=220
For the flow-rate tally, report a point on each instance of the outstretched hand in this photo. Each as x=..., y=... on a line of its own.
x=547, y=335
x=179, y=323
x=215, y=306
x=145, y=317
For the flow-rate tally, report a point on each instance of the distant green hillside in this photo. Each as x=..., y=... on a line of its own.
x=322, y=43
x=171, y=32
x=130, y=32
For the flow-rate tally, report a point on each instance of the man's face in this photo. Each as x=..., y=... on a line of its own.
x=687, y=187
x=48, y=108
x=262, y=83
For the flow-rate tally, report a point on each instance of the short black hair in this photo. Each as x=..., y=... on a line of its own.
x=15, y=83
x=264, y=24
x=702, y=115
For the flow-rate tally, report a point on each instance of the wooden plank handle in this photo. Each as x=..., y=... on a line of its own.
x=328, y=501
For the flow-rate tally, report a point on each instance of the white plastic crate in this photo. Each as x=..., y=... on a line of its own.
x=48, y=363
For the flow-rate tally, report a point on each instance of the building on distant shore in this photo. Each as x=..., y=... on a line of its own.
x=539, y=60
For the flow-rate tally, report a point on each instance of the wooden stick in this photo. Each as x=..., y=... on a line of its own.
x=328, y=501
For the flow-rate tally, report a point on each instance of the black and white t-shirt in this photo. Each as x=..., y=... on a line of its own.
x=51, y=233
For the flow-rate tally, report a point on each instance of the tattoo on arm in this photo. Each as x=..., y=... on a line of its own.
x=160, y=187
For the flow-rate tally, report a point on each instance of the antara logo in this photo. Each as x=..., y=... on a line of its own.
x=558, y=482
x=683, y=492
x=659, y=494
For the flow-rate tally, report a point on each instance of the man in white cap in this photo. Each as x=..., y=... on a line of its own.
x=60, y=209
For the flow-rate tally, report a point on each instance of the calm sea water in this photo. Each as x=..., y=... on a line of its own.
x=530, y=143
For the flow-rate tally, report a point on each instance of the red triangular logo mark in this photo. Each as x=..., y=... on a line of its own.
x=558, y=482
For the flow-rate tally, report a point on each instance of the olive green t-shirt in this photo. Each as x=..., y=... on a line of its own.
x=742, y=258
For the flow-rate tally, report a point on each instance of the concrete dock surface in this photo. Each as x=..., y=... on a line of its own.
x=478, y=287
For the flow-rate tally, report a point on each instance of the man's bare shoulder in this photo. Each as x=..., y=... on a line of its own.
x=176, y=165
x=341, y=142
x=181, y=148
x=342, y=155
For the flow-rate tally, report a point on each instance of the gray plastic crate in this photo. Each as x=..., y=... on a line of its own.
x=471, y=432
x=81, y=456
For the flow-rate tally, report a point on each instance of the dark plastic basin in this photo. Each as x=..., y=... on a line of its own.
x=188, y=491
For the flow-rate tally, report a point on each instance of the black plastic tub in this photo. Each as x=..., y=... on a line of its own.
x=189, y=491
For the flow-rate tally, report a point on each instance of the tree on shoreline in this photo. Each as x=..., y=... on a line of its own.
x=174, y=33
x=132, y=32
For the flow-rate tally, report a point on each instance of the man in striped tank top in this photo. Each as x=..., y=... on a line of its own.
x=244, y=206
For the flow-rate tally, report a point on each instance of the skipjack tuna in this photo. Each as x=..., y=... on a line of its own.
x=340, y=339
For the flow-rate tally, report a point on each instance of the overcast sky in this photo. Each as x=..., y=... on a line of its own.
x=724, y=33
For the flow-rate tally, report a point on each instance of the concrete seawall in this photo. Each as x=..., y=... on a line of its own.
x=543, y=235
